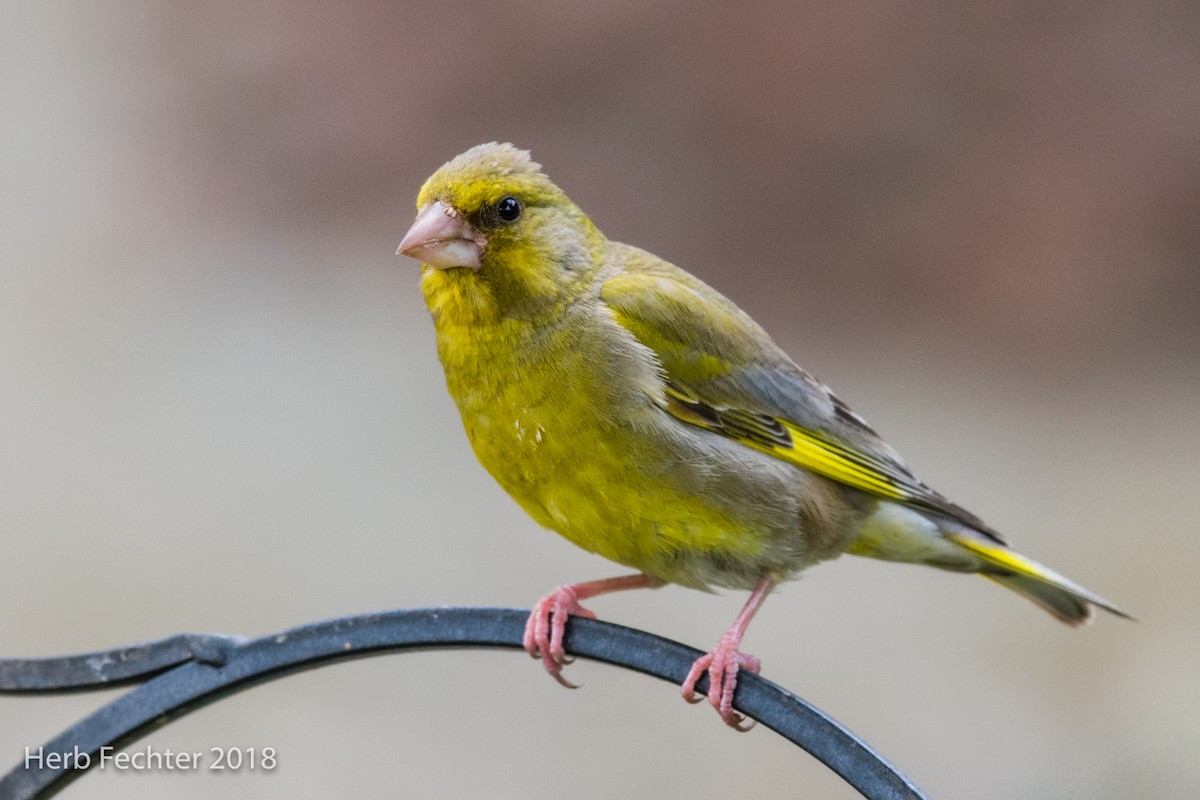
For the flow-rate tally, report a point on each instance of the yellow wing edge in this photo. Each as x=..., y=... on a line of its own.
x=796, y=445
x=831, y=461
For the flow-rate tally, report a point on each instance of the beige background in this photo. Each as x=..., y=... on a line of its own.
x=220, y=408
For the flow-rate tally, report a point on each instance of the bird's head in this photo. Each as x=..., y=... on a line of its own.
x=490, y=215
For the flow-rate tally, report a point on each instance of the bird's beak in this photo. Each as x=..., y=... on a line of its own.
x=442, y=239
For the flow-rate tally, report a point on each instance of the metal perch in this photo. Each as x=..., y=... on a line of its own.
x=182, y=673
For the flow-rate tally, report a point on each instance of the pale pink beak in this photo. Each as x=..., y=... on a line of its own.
x=442, y=239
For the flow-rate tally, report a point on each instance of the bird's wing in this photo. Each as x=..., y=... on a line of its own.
x=724, y=373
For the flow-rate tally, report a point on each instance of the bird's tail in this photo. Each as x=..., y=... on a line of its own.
x=1059, y=595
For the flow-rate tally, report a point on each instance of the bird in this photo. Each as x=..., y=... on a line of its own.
x=636, y=411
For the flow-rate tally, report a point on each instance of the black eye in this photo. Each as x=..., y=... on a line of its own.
x=508, y=209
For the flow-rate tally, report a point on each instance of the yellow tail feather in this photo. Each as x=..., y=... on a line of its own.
x=1057, y=594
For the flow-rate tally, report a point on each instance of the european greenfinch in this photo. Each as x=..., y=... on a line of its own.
x=633, y=409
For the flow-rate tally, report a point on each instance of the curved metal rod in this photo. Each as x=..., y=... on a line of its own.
x=186, y=672
x=107, y=669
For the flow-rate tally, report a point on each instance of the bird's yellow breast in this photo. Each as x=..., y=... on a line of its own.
x=565, y=417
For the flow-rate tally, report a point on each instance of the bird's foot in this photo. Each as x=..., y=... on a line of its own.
x=544, y=630
x=722, y=666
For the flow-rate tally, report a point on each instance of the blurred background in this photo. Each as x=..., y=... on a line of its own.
x=221, y=410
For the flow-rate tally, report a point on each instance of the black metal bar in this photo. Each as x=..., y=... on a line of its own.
x=110, y=668
x=184, y=673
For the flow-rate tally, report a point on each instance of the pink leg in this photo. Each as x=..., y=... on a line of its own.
x=723, y=663
x=544, y=630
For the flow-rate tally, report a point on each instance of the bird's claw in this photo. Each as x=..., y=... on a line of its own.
x=545, y=628
x=722, y=666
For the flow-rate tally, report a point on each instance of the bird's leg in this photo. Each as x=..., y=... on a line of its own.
x=544, y=630
x=724, y=661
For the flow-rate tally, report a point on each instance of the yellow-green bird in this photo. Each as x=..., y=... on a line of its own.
x=633, y=409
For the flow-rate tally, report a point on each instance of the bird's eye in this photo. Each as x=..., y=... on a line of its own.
x=509, y=209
